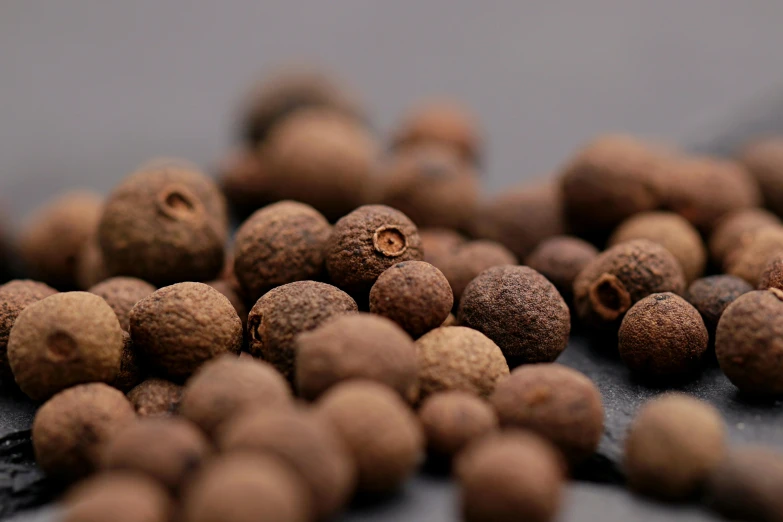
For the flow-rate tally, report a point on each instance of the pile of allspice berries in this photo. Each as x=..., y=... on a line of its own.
x=369, y=308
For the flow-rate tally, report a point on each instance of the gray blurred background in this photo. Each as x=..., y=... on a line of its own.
x=89, y=89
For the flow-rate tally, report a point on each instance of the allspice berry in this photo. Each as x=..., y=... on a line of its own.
x=179, y=327
x=164, y=224
x=366, y=242
x=322, y=158
x=459, y=358
x=306, y=443
x=439, y=243
x=750, y=261
x=286, y=311
x=622, y=275
x=353, y=347
x=230, y=289
x=379, y=430
x=280, y=244
x=453, y=419
x=225, y=386
x=711, y=295
x=746, y=485
x=155, y=398
x=442, y=122
x=62, y=340
x=15, y=296
x=61, y=448
x=558, y=403
x=470, y=259
x=131, y=372
x=431, y=185
x=609, y=180
x=413, y=294
x=509, y=477
x=772, y=276
x=673, y=445
x=764, y=160
x=246, y=488
x=663, y=336
x=519, y=310
x=121, y=293
x=671, y=231
x=52, y=239
x=117, y=496
x=560, y=259
x=90, y=267
x=747, y=342
x=735, y=230
x=243, y=176
x=520, y=218
x=167, y=450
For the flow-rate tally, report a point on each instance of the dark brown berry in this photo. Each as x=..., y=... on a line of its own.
x=772, y=276
x=764, y=160
x=519, y=310
x=735, y=230
x=90, y=267
x=453, y=419
x=285, y=312
x=121, y=293
x=118, y=496
x=413, y=294
x=470, y=259
x=750, y=261
x=62, y=340
x=711, y=295
x=131, y=372
x=179, y=327
x=243, y=175
x=560, y=404
x=560, y=259
x=439, y=243
x=231, y=290
x=155, y=398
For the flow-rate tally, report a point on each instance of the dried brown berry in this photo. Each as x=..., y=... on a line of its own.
x=711, y=295
x=179, y=327
x=279, y=244
x=772, y=276
x=736, y=230
x=441, y=122
x=703, y=189
x=609, y=180
x=225, y=386
x=231, y=290
x=413, y=294
x=560, y=259
x=459, y=358
x=71, y=429
x=285, y=312
x=510, y=477
x=671, y=231
x=673, y=445
x=519, y=310
x=15, y=296
x=164, y=224
x=764, y=160
x=663, y=336
x=560, y=404
x=439, y=243
x=622, y=275
x=747, y=342
x=453, y=419
x=90, y=267
x=521, y=218
x=305, y=442
x=167, y=450
x=62, y=340
x=246, y=488
x=368, y=241
x=470, y=259
x=380, y=431
x=52, y=239
x=431, y=185
x=156, y=398
x=750, y=261
x=747, y=485
x=321, y=158
x=121, y=293
x=131, y=373
x=244, y=178
x=352, y=347
x=117, y=496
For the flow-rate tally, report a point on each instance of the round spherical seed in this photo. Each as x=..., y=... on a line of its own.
x=121, y=293
x=439, y=243
x=117, y=496
x=663, y=336
x=131, y=372
x=750, y=261
x=453, y=419
x=243, y=176
x=61, y=448
x=459, y=358
x=560, y=404
x=90, y=267
x=560, y=259
x=155, y=398
x=711, y=295
x=352, y=347
x=470, y=259
x=413, y=294
x=62, y=340
x=747, y=342
x=764, y=160
x=229, y=288
x=179, y=327
x=519, y=310
x=673, y=445
x=735, y=230
x=279, y=244
x=772, y=276
x=285, y=312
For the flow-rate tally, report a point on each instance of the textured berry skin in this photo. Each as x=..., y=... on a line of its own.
x=470, y=259
x=121, y=293
x=155, y=398
x=560, y=259
x=713, y=294
x=451, y=420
